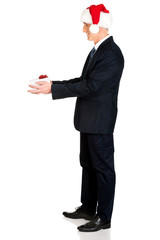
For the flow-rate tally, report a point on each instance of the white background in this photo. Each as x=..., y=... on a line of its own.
x=40, y=175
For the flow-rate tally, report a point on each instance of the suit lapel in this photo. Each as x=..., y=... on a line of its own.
x=85, y=65
x=86, y=68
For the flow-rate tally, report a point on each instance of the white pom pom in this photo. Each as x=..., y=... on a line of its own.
x=94, y=28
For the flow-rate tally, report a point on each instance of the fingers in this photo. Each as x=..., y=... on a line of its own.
x=34, y=86
x=34, y=91
x=40, y=87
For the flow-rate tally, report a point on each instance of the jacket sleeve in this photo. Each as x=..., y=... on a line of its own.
x=74, y=80
x=105, y=69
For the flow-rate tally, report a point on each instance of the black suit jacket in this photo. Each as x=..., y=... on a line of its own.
x=96, y=90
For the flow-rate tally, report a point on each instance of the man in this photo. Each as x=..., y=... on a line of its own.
x=95, y=115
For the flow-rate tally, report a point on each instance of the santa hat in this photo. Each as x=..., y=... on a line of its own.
x=98, y=16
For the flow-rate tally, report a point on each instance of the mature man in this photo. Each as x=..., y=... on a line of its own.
x=95, y=115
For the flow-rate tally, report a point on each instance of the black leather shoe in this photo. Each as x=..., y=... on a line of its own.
x=79, y=213
x=94, y=225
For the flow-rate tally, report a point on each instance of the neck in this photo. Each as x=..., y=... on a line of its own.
x=100, y=38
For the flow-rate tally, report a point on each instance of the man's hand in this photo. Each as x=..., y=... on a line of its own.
x=41, y=87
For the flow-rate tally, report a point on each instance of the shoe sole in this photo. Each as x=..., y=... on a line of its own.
x=81, y=217
x=100, y=228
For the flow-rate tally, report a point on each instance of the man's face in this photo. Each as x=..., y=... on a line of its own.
x=91, y=36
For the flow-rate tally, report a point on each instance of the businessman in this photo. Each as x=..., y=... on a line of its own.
x=95, y=116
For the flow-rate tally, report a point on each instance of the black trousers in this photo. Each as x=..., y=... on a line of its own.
x=98, y=174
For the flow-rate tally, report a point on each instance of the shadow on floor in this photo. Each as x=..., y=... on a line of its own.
x=99, y=235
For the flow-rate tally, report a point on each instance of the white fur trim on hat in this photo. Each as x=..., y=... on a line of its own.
x=105, y=19
x=86, y=16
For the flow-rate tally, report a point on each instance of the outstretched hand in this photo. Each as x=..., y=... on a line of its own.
x=41, y=87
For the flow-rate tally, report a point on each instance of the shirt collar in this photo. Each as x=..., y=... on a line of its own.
x=101, y=41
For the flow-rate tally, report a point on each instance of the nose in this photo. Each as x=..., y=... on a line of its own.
x=84, y=28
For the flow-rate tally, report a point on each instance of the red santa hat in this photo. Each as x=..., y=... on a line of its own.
x=97, y=16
